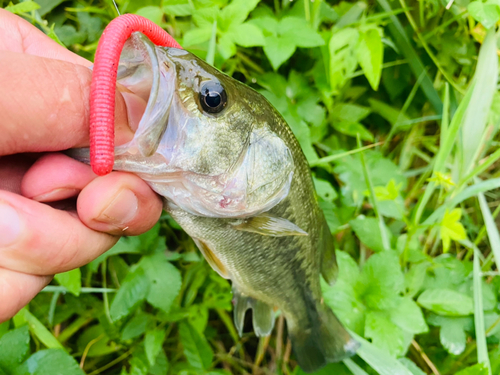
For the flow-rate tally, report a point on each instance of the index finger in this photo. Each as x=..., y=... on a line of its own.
x=45, y=105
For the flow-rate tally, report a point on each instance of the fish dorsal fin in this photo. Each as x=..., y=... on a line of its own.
x=209, y=255
x=329, y=268
x=262, y=314
x=269, y=225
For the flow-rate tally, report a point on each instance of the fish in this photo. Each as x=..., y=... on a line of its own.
x=234, y=177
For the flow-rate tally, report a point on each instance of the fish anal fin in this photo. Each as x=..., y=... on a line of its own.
x=262, y=314
x=214, y=262
x=269, y=225
x=262, y=318
x=241, y=304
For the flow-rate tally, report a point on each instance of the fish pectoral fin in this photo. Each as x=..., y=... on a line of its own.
x=209, y=255
x=269, y=225
x=262, y=314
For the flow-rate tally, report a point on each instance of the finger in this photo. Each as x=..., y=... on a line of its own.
x=17, y=289
x=55, y=177
x=18, y=35
x=40, y=240
x=45, y=105
x=119, y=203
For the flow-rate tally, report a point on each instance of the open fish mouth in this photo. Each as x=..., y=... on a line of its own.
x=225, y=163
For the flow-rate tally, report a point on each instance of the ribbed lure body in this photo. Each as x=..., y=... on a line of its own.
x=102, y=90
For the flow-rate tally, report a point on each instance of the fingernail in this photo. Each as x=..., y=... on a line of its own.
x=57, y=195
x=10, y=225
x=121, y=209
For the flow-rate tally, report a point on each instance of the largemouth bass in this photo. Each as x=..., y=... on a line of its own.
x=235, y=179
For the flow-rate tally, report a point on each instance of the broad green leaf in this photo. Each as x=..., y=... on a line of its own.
x=4, y=328
x=278, y=50
x=368, y=232
x=331, y=217
x=179, y=8
x=382, y=281
x=446, y=302
x=47, y=5
x=126, y=245
x=343, y=299
x=487, y=14
x=415, y=278
x=478, y=369
x=451, y=228
x=196, y=348
x=350, y=112
x=408, y=316
x=348, y=268
x=384, y=333
x=37, y=328
x=343, y=61
x=14, y=348
x=237, y=12
x=71, y=280
x=24, y=7
x=133, y=290
x=226, y=46
x=325, y=189
x=164, y=279
x=452, y=336
x=152, y=13
x=298, y=30
x=247, y=35
x=353, y=129
x=50, y=362
x=197, y=36
x=153, y=342
x=136, y=326
x=161, y=365
x=370, y=55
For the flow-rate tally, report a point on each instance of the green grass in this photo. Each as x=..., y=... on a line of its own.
x=395, y=105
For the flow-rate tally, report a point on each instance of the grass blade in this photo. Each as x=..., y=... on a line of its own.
x=212, y=44
x=482, y=348
x=404, y=45
x=491, y=228
x=37, y=328
x=447, y=143
x=381, y=224
x=476, y=116
x=353, y=367
x=378, y=359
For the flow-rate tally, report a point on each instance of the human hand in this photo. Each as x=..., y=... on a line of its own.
x=44, y=107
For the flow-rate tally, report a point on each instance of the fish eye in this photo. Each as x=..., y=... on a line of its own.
x=213, y=97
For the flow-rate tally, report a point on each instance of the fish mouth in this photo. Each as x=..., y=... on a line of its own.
x=142, y=67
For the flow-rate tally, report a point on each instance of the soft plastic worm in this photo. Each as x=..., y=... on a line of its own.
x=102, y=89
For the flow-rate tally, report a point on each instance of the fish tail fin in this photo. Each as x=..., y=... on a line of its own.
x=325, y=340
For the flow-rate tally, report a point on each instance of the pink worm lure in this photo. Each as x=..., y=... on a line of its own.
x=103, y=86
